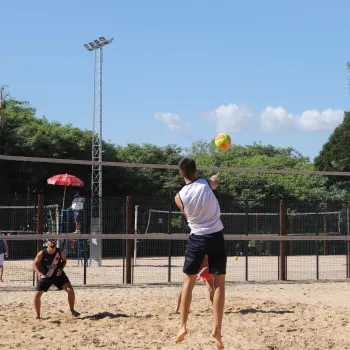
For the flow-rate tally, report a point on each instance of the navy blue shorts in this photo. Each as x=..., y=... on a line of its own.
x=77, y=215
x=198, y=246
x=44, y=285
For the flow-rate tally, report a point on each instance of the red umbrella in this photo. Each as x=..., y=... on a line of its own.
x=65, y=180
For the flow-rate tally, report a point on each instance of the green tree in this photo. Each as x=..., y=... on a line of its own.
x=245, y=186
x=22, y=133
x=335, y=153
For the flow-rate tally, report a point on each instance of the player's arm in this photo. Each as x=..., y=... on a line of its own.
x=36, y=262
x=64, y=260
x=214, y=181
x=200, y=273
x=6, y=248
x=179, y=204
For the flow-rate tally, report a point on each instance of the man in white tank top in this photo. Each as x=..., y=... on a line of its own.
x=198, y=203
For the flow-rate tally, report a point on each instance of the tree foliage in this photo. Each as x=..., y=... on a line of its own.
x=22, y=133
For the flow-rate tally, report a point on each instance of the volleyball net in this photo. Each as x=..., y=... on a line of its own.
x=143, y=240
x=161, y=257
x=21, y=219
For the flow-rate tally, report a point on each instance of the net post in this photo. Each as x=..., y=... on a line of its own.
x=128, y=241
x=246, y=243
x=317, y=243
x=348, y=243
x=169, y=242
x=325, y=232
x=40, y=223
x=282, y=262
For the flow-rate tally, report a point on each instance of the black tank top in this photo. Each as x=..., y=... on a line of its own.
x=50, y=263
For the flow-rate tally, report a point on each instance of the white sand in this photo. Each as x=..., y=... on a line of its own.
x=313, y=315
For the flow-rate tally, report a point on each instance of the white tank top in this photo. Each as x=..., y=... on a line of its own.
x=201, y=207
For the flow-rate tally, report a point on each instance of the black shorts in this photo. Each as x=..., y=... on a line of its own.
x=58, y=281
x=198, y=246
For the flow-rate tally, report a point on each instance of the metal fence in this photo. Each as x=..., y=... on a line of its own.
x=160, y=260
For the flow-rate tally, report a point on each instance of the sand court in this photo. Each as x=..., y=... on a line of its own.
x=273, y=315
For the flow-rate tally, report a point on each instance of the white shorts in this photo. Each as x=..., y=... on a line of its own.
x=2, y=257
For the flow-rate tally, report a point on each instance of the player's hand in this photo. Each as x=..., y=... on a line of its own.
x=40, y=276
x=198, y=277
x=6, y=255
x=215, y=177
x=59, y=272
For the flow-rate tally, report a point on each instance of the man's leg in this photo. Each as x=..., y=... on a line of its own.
x=71, y=298
x=217, y=266
x=186, y=298
x=211, y=289
x=179, y=301
x=2, y=257
x=37, y=302
x=218, y=307
x=77, y=221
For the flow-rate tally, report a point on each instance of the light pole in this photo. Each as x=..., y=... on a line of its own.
x=96, y=174
x=1, y=104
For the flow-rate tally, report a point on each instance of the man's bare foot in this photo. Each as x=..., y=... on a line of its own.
x=181, y=335
x=75, y=313
x=218, y=340
x=38, y=317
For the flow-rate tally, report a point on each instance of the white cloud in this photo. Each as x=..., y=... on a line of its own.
x=274, y=119
x=172, y=121
x=314, y=120
x=232, y=118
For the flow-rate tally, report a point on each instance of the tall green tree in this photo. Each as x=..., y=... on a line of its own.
x=335, y=153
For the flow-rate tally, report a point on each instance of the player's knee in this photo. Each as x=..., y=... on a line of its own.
x=189, y=282
x=219, y=280
x=70, y=290
x=37, y=295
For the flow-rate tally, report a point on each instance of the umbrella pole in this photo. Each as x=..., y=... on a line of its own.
x=61, y=228
x=64, y=197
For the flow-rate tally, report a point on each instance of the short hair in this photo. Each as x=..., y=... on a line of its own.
x=188, y=167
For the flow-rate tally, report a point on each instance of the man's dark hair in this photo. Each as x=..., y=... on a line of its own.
x=188, y=167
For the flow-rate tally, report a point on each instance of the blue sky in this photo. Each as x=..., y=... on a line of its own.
x=181, y=71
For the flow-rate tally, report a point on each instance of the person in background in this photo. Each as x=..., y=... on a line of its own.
x=4, y=252
x=77, y=207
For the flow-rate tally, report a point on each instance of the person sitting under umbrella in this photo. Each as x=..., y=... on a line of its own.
x=77, y=207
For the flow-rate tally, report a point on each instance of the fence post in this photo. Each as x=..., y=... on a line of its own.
x=325, y=232
x=282, y=262
x=128, y=241
x=40, y=223
x=348, y=255
x=246, y=243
